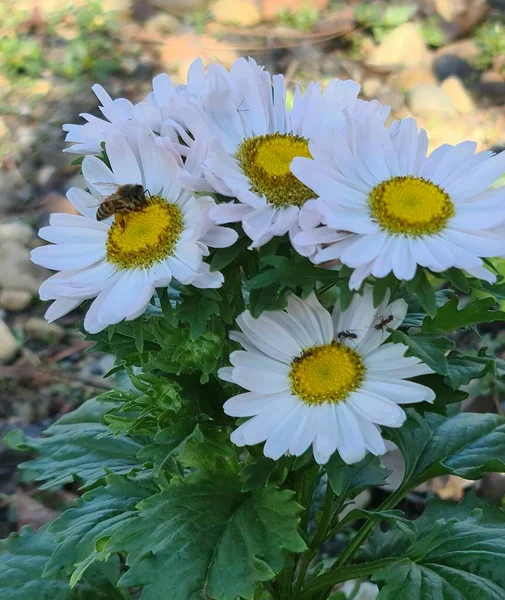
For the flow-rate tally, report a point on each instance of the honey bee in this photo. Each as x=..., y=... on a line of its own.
x=346, y=335
x=127, y=198
x=383, y=322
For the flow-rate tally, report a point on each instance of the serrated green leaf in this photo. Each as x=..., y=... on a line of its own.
x=81, y=531
x=349, y=480
x=464, y=368
x=458, y=554
x=467, y=445
x=430, y=349
x=77, y=448
x=203, y=537
x=449, y=318
x=444, y=394
x=197, y=308
x=422, y=288
x=256, y=474
x=22, y=560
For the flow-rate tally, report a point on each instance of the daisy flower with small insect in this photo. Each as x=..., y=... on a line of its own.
x=389, y=207
x=324, y=380
x=119, y=260
x=251, y=137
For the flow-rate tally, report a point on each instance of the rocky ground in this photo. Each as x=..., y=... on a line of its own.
x=442, y=61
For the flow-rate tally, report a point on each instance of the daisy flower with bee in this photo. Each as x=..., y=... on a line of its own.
x=137, y=229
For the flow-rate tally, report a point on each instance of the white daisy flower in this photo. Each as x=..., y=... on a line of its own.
x=387, y=206
x=321, y=379
x=252, y=138
x=119, y=261
x=161, y=111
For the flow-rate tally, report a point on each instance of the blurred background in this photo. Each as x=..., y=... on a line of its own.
x=442, y=61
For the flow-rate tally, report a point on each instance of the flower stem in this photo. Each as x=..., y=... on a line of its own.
x=319, y=538
x=333, y=577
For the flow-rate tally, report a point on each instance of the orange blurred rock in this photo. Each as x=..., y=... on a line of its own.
x=57, y=203
x=461, y=15
x=408, y=79
x=403, y=47
x=179, y=51
x=243, y=13
x=460, y=98
x=270, y=9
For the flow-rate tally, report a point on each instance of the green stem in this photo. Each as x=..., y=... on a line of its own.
x=338, y=570
x=362, y=534
x=319, y=538
x=286, y=578
x=331, y=578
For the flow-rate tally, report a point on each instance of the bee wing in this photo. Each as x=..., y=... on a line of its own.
x=107, y=184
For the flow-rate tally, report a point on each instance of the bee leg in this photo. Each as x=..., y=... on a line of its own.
x=121, y=220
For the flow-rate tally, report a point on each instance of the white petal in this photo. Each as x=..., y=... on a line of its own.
x=279, y=439
x=351, y=445
x=376, y=409
x=122, y=160
x=251, y=403
x=400, y=392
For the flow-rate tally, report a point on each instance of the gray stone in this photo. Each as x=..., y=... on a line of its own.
x=16, y=231
x=15, y=300
x=17, y=272
x=449, y=65
x=40, y=329
x=428, y=99
x=9, y=345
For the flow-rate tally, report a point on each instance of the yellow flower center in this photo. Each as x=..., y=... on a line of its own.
x=410, y=206
x=142, y=237
x=326, y=373
x=266, y=159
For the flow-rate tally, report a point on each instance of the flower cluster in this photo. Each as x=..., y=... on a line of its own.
x=164, y=176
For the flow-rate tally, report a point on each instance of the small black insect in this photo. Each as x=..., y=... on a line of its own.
x=243, y=109
x=346, y=335
x=383, y=321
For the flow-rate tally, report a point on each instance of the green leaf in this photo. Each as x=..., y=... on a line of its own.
x=203, y=537
x=380, y=288
x=449, y=317
x=81, y=531
x=224, y=256
x=458, y=279
x=22, y=560
x=430, y=349
x=422, y=288
x=78, y=448
x=280, y=274
x=464, y=368
x=444, y=394
x=138, y=333
x=458, y=554
x=197, y=308
x=349, y=480
x=267, y=298
x=394, y=517
x=256, y=474
x=467, y=445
